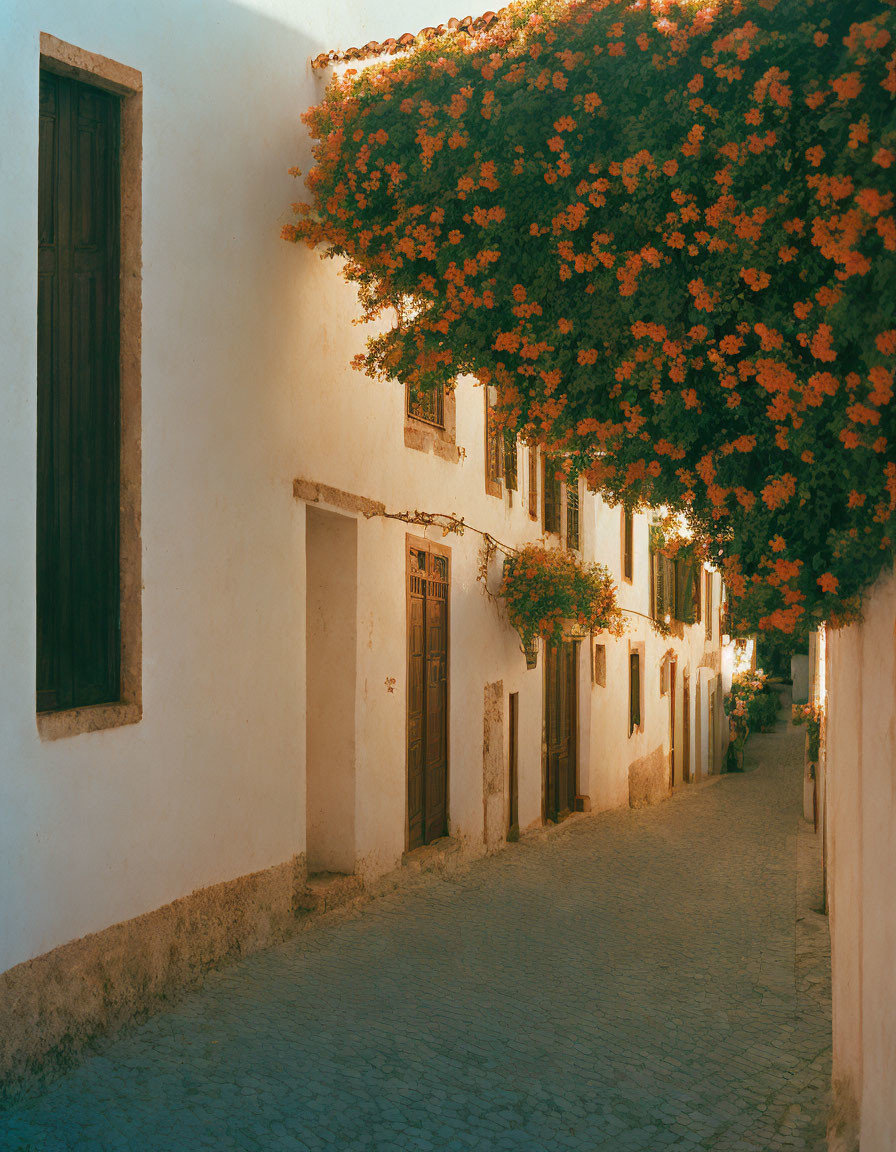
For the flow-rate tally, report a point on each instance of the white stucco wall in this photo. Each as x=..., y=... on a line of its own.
x=246, y=386
x=209, y=785
x=861, y=841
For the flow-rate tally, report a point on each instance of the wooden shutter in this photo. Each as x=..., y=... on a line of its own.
x=78, y=434
x=634, y=692
x=510, y=460
x=572, y=515
x=533, y=482
x=628, y=544
x=551, y=496
x=685, y=583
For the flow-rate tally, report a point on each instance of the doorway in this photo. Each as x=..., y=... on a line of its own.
x=427, y=700
x=673, y=676
x=331, y=558
x=561, y=716
x=686, y=731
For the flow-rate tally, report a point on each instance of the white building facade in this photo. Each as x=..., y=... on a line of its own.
x=304, y=683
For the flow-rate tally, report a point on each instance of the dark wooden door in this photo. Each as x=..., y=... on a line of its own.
x=78, y=421
x=560, y=714
x=673, y=675
x=427, y=724
x=513, y=829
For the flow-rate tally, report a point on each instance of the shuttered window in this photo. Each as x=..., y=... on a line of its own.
x=78, y=397
x=533, y=482
x=572, y=515
x=511, y=457
x=426, y=405
x=494, y=443
x=628, y=544
x=707, y=583
x=551, y=496
x=634, y=692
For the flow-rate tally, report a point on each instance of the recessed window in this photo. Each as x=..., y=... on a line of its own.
x=634, y=692
x=88, y=636
x=78, y=397
x=572, y=515
x=533, y=482
x=427, y=405
x=628, y=544
x=552, y=484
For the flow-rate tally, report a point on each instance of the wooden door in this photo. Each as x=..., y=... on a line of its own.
x=513, y=817
x=427, y=701
x=673, y=676
x=711, y=750
x=686, y=732
x=561, y=718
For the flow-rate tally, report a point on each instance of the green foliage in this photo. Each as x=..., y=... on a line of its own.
x=668, y=240
x=544, y=587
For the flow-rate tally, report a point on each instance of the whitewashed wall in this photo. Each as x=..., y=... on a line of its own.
x=246, y=386
x=861, y=839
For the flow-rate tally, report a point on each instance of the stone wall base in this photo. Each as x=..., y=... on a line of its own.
x=52, y=1005
x=648, y=779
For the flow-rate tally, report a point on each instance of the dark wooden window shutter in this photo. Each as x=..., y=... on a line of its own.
x=533, y=482
x=634, y=692
x=78, y=420
x=511, y=457
x=551, y=496
x=572, y=515
x=628, y=544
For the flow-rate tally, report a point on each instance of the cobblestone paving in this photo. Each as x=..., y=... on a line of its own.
x=637, y=980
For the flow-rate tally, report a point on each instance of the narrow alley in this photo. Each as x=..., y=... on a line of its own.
x=634, y=980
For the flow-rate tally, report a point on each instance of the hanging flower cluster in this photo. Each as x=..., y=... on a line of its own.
x=666, y=234
x=544, y=588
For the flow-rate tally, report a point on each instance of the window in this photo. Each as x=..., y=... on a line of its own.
x=628, y=544
x=551, y=496
x=707, y=584
x=675, y=588
x=511, y=457
x=599, y=673
x=494, y=442
x=427, y=405
x=533, y=482
x=88, y=635
x=634, y=692
x=572, y=515
x=78, y=426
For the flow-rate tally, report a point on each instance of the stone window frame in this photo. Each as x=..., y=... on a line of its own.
x=424, y=436
x=68, y=60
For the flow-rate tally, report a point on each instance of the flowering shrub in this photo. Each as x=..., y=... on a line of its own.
x=751, y=704
x=666, y=234
x=543, y=587
x=811, y=715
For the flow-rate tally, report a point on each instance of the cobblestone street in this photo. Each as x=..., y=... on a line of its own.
x=634, y=980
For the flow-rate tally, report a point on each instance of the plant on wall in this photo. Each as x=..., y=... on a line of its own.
x=547, y=589
x=812, y=716
x=665, y=234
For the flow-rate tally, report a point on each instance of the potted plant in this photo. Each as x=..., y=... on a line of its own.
x=549, y=593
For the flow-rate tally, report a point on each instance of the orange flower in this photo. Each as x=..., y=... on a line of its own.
x=828, y=582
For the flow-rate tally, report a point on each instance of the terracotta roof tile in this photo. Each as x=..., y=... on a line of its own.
x=465, y=26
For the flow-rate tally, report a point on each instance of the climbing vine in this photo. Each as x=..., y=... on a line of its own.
x=665, y=234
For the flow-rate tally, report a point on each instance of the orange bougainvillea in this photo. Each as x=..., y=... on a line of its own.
x=666, y=235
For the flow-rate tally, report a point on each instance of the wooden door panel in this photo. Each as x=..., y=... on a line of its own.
x=560, y=712
x=427, y=755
